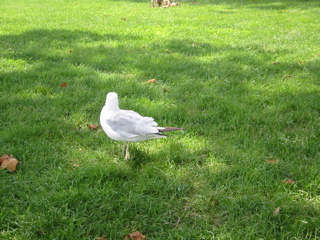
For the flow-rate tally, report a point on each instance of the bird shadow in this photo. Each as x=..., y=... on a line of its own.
x=139, y=158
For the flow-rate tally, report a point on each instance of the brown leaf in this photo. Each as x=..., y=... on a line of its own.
x=63, y=84
x=276, y=161
x=288, y=181
x=135, y=236
x=276, y=211
x=5, y=156
x=40, y=232
x=101, y=238
x=287, y=76
x=275, y=62
x=166, y=90
x=8, y=162
x=93, y=127
x=150, y=81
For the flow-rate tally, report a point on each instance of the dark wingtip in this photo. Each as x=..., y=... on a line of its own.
x=169, y=129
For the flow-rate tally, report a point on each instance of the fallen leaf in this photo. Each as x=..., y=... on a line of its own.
x=93, y=127
x=40, y=232
x=276, y=161
x=165, y=89
x=288, y=181
x=135, y=236
x=5, y=156
x=101, y=238
x=8, y=162
x=287, y=76
x=150, y=81
x=276, y=211
x=275, y=62
x=63, y=84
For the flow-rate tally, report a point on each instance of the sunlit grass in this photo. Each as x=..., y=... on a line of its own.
x=242, y=77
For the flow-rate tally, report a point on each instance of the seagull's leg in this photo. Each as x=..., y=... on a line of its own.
x=127, y=157
x=124, y=148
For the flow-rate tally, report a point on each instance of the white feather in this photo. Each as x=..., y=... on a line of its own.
x=126, y=125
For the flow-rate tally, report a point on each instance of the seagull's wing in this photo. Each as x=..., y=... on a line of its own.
x=130, y=124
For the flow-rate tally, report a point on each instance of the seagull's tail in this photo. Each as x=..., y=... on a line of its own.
x=169, y=129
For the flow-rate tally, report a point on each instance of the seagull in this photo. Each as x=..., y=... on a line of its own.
x=127, y=125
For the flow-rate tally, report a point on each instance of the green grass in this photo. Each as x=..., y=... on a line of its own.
x=216, y=76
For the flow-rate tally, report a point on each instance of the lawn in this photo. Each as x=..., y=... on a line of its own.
x=242, y=76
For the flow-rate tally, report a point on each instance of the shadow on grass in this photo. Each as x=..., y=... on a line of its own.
x=43, y=59
x=99, y=63
x=264, y=4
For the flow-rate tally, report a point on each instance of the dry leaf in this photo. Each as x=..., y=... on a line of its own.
x=40, y=232
x=287, y=76
x=101, y=238
x=93, y=127
x=135, y=236
x=276, y=211
x=165, y=89
x=5, y=156
x=150, y=81
x=276, y=161
x=275, y=62
x=63, y=84
x=288, y=181
x=8, y=162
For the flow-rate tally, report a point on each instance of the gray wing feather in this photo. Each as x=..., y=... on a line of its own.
x=131, y=124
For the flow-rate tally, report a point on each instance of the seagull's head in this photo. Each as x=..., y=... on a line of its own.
x=112, y=102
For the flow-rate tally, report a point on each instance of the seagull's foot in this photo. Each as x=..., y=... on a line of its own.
x=127, y=157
